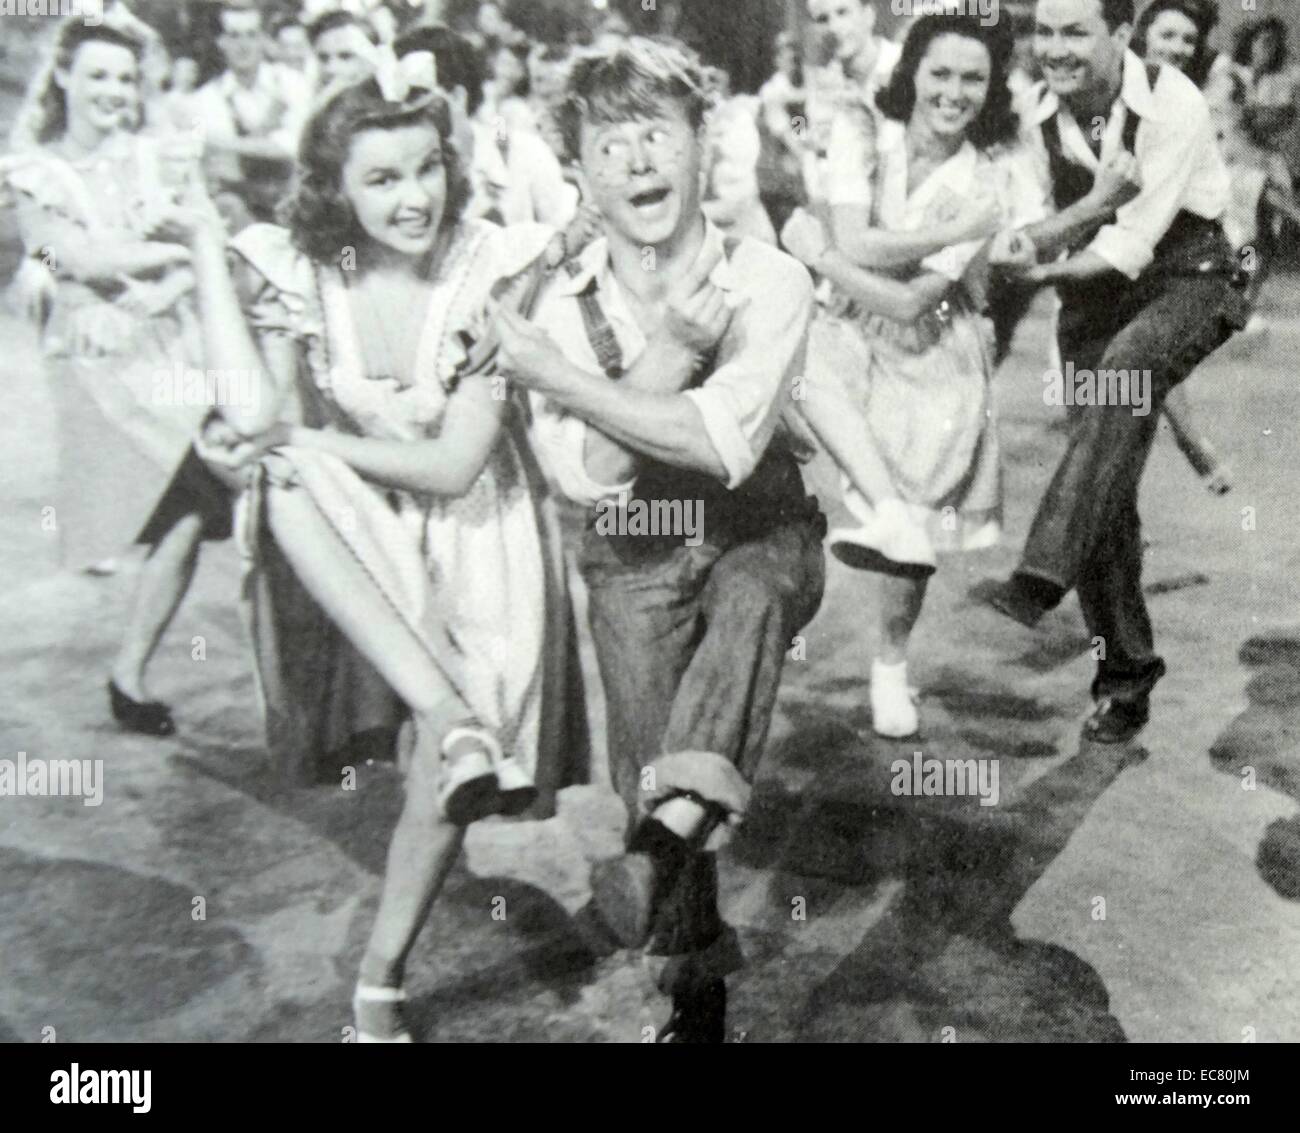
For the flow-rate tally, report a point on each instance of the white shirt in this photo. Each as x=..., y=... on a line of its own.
x=275, y=107
x=1177, y=155
x=524, y=184
x=741, y=402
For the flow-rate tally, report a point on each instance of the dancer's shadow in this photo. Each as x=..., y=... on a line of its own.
x=90, y=945
x=944, y=953
x=1264, y=743
x=494, y=943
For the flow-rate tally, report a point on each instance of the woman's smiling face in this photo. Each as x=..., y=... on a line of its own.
x=396, y=182
x=102, y=86
x=1172, y=39
x=952, y=84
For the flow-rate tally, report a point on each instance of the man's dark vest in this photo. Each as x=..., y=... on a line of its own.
x=1192, y=246
x=772, y=496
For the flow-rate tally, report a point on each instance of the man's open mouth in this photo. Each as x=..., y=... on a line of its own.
x=650, y=198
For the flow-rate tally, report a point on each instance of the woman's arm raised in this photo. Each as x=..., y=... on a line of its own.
x=227, y=339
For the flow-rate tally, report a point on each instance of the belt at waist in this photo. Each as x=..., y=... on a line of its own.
x=1193, y=246
x=773, y=496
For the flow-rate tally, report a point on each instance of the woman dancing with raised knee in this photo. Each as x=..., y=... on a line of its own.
x=411, y=516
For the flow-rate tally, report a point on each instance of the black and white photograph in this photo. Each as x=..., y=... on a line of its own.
x=650, y=521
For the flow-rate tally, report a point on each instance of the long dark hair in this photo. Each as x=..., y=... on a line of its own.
x=51, y=103
x=997, y=121
x=1201, y=13
x=318, y=216
x=1244, y=44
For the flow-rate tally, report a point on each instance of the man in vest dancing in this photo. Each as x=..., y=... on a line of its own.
x=1148, y=290
x=659, y=364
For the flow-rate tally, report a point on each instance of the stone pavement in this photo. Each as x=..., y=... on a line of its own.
x=865, y=915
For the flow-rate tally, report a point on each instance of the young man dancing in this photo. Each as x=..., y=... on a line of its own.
x=1148, y=290
x=660, y=361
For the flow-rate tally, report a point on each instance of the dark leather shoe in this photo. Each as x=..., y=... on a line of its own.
x=1117, y=721
x=149, y=718
x=698, y=1016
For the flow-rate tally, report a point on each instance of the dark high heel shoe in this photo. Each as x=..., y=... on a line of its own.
x=151, y=718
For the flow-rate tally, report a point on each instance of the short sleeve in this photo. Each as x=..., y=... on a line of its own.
x=850, y=158
x=42, y=204
x=273, y=280
x=509, y=254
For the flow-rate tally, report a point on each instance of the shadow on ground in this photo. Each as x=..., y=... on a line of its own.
x=1262, y=746
x=942, y=960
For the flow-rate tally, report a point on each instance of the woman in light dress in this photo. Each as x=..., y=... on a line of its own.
x=112, y=300
x=405, y=503
x=900, y=363
x=1253, y=93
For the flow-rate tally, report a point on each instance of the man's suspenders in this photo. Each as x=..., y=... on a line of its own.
x=604, y=343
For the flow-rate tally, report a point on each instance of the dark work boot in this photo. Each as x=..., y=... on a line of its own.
x=699, y=1016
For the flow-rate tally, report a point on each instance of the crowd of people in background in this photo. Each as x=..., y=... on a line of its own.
x=375, y=219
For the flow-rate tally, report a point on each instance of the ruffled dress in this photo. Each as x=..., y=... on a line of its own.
x=127, y=395
x=924, y=388
x=478, y=579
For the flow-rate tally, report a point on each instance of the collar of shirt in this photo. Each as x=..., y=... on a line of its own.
x=897, y=207
x=1136, y=96
x=593, y=264
x=1135, y=92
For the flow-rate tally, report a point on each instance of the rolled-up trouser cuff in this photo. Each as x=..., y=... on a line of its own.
x=703, y=773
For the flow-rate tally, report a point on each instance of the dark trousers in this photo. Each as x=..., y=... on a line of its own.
x=691, y=643
x=1087, y=533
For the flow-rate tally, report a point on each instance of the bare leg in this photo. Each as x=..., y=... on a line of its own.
x=838, y=424
x=900, y=609
x=424, y=844
x=422, y=852
x=893, y=708
x=164, y=578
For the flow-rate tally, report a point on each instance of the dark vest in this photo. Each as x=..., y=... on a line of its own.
x=772, y=496
x=1192, y=245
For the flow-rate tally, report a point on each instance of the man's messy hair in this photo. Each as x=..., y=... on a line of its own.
x=630, y=83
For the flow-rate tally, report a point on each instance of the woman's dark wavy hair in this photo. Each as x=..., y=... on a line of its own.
x=51, y=102
x=997, y=121
x=318, y=216
x=1244, y=44
x=1205, y=17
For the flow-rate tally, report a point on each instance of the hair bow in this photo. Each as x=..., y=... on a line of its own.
x=396, y=77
